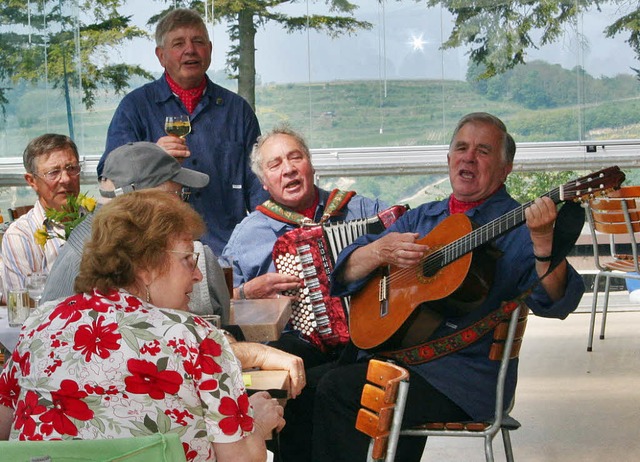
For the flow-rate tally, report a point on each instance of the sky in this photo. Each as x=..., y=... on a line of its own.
x=403, y=44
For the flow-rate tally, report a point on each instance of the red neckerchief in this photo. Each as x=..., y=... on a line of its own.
x=311, y=211
x=190, y=98
x=458, y=206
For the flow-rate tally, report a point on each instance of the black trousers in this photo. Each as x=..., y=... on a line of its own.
x=294, y=441
x=337, y=400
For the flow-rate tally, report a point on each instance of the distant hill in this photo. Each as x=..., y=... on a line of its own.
x=538, y=102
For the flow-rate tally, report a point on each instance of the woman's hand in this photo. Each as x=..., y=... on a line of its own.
x=267, y=413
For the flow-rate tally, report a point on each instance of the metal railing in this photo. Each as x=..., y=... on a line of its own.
x=416, y=160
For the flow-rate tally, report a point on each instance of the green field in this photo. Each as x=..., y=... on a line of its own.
x=343, y=114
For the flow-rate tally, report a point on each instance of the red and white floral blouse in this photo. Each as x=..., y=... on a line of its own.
x=112, y=366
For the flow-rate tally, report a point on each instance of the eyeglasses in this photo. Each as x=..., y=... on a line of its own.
x=184, y=194
x=195, y=256
x=56, y=173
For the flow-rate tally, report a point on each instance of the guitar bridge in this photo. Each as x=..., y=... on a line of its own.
x=382, y=296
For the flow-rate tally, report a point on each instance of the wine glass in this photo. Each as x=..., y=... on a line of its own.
x=179, y=126
x=35, y=286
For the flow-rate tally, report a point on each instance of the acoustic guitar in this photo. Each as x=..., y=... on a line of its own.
x=390, y=297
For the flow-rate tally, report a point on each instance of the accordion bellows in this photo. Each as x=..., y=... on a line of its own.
x=310, y=252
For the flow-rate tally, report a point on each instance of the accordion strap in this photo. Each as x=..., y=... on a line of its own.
x=337, y=200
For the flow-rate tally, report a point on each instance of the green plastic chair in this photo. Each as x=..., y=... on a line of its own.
x=156, y=448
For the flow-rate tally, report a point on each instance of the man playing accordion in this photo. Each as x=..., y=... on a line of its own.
x=282, y=162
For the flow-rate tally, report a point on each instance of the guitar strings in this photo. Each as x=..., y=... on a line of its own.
x=433, y=262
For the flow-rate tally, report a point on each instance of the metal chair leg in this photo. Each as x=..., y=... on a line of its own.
x=607, y=286
x=488, y=448
x=508, y=449
x=594, y=305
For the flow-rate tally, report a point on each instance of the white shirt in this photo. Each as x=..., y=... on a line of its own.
x=21, y=254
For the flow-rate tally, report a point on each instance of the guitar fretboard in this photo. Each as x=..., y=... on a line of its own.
x=480, y=236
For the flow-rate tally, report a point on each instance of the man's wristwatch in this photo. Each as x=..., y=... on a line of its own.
x=241, y=293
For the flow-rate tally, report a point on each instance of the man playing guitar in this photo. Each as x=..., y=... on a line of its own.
x=459, y=386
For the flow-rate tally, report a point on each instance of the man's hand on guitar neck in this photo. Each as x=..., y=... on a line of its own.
x=398, y=249
x=540, y=218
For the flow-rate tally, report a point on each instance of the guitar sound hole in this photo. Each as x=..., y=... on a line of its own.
x=431, y=267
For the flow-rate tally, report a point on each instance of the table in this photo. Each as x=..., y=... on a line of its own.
x=8, y=335
x=261, y=320
x=276, y=382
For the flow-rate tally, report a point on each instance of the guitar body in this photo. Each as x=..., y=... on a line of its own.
x=403, y=306
x=372, y=321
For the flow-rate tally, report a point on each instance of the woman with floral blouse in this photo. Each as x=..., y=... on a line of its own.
x=108, y=362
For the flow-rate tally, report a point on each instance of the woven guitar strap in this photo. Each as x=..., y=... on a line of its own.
x=336, y=201
x=442, y=346
x=567, y=229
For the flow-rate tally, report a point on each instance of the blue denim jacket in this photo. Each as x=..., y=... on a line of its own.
x=223, y=131
x=468, y=377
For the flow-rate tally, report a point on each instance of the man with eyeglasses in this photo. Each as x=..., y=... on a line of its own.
x=53, y=169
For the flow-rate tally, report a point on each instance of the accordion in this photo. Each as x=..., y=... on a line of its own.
x=310, y=253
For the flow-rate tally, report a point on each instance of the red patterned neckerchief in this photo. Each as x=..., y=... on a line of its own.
x=190, y=98
x=310, y=212
x=458, y=206
x=336, y=201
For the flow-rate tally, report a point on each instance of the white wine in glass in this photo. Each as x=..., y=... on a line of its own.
x=179, y=126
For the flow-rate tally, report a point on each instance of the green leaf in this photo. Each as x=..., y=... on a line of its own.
x=150, y=424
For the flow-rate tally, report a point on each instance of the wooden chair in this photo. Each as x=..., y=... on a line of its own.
x=506, y=346
x=616, y=219
x=382, y=408
x=17, y=212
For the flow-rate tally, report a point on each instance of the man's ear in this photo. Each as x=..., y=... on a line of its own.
x=31, y=181
x=160, y=55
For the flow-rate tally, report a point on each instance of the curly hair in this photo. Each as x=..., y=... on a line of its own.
x=130, y=233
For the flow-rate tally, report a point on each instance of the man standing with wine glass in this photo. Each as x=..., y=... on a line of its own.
x=223, y=127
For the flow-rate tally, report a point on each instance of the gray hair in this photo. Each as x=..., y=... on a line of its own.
x=176, y=19
x=508, y=144
x=281, y=129
x=43, y=145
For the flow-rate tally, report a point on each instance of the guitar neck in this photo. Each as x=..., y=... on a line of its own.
x=482, y=235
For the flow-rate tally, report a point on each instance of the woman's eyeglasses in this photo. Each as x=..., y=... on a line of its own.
x=193, y=261
x=56, y=173
x=183, y=194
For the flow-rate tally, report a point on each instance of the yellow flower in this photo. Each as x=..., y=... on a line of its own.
x=41, y=235
x=89, y=203
x=68, y=217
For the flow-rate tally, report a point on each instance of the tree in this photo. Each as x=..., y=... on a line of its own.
x=499, y=31
x=50, y=39
x=245, y=16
